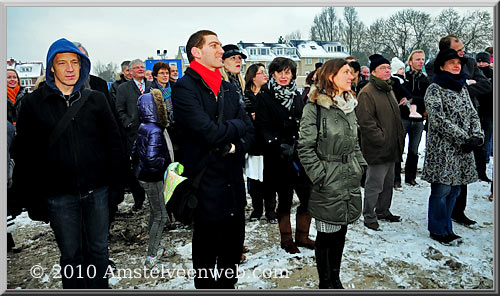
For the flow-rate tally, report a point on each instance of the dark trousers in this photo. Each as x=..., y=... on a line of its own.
x=414, y=130
x=285, y=187
x=217, y=243
x=116, y=196
x=75, y=218
x=460, y=203
x=135, y=188
x=260, y=199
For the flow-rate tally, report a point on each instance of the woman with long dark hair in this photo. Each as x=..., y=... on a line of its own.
x=330, y=154
x=255, y=78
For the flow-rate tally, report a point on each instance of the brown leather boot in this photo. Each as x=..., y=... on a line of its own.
x=302, y=231
x=286, y=234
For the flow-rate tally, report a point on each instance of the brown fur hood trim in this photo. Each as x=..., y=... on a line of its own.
x=161, y=108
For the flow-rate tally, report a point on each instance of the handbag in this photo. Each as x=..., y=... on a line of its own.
x=180, y=192
x=37, y=207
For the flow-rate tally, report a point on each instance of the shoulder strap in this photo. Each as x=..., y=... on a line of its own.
x=318, y=123
x=70, y=114
x=197, y=178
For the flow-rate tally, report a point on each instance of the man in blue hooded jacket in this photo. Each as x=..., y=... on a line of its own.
x=71, y=177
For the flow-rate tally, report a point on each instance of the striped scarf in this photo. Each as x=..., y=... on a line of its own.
x=284, y=94
x=166, y=92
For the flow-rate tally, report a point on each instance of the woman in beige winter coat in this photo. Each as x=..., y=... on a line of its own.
x=329, y=151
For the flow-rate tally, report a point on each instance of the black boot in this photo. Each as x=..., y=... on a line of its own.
x=335, y=278
x=335, y=256
x=323, y=268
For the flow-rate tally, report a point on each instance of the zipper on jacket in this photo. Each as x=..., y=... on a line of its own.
x=324, y=128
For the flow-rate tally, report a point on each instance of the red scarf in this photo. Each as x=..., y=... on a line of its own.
x=12, y=93
x=212, y=78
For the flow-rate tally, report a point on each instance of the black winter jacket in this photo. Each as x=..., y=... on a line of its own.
x=276, y=126
x=221, y=194
x=87, y=155
x=416, y=83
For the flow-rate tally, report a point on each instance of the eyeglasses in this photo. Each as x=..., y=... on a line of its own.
x=385, y=68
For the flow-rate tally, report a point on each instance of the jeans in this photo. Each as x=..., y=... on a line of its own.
x=441, y=203
x=414, y=130
x=157, y=216
x=75, y=218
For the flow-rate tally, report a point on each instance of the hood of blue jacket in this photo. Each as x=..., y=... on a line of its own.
x=64, y=45
x=146, y=108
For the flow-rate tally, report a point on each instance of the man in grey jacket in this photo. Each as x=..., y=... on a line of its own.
x=126, y=106
x=382, y=141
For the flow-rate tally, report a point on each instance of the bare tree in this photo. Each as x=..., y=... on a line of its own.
x=374, y=41
x=105, y=71
x=295, y=35
x=325, y=26
x=479, y=33
x=351, y=23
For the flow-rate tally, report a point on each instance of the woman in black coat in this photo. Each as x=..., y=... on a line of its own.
x=255, y=78
x=279, y=109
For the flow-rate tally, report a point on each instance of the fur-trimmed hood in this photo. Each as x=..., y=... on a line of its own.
x=327, y=101
x=151, y=107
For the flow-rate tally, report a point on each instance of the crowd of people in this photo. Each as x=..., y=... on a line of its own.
x=88, y=146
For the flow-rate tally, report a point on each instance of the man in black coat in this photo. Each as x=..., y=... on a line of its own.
x=125, y=76
x=485, y=115
x=126, y=106
x=72, y=173
x=477, y=85
x=214, y=146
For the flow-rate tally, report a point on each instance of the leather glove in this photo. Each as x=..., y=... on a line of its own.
x=471, y=143
x=287, y=151
x=223, y=151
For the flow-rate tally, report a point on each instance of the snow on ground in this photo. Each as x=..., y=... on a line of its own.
x=400, y=256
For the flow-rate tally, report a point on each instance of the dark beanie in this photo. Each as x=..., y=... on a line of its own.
x=446, y=55
x=483, y=56
x=318, y=65
x=377, y=60
x=231, y=50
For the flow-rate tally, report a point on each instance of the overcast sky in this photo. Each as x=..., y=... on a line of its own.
x=114, y=34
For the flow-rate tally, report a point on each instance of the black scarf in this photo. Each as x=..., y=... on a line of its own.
x=451, y=81
x=284, y=94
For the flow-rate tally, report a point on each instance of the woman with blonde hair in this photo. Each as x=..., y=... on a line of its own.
x=231, y=72
x=14, y=95
x=329, y=151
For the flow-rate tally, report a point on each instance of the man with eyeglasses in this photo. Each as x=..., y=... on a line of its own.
x=126, y=106
x=382, y=141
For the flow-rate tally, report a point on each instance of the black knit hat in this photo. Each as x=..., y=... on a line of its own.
x=483, y=56
x=318, y=65
x=446, y=55
x=377, y=60
x=231, y=50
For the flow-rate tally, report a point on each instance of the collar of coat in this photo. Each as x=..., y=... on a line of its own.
x=327, y=101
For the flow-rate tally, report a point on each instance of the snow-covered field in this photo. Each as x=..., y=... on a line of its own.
x=400, y=256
